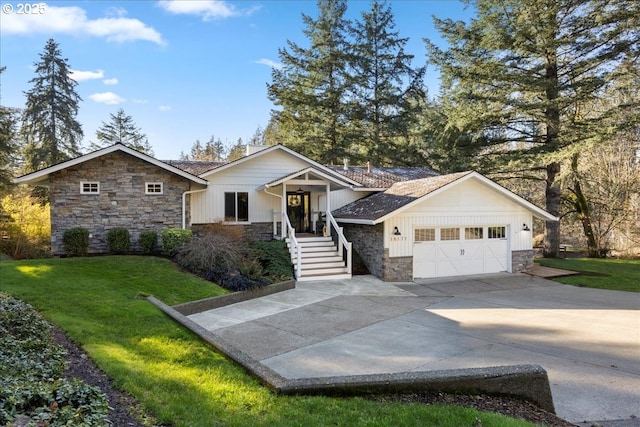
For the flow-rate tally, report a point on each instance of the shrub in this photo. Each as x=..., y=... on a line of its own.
x=25, y=228
x=148, y=242
x=75, y=241
x=119, y=240
x=174, y=239
x=275, y=259
x=31, y=369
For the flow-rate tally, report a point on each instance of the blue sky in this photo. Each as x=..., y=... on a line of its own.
x=183, y=70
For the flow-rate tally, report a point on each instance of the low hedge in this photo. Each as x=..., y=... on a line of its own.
x=32, y=387
x=75, y=241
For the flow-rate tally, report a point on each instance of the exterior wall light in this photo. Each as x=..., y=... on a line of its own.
x=525, y=227
x=396, y=232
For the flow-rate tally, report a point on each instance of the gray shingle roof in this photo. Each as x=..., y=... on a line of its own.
x=400, y=194
x=194, y=167
x=376, y=177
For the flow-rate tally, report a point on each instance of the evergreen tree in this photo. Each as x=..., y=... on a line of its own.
x=121, y=129
x=386, y=91
x=50, y=130
x=519, y=74
x=215, y=150
x=258, y=137
x=310, y=88
x=8, y=135
x=237, y=151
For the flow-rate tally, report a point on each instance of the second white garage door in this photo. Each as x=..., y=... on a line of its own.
x=455, y=251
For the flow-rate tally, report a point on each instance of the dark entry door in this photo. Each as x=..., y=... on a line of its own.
x=299, y=211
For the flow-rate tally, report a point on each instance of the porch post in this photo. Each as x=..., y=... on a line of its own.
x=283, y=212
x=328, y=207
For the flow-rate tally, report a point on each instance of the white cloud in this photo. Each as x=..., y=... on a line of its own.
x=207, y=9
x=269, y=63
x=108, y=98
x=165, y=108
x=73, y=20
x=110, y=82
x=139, y=101
x=81, y=76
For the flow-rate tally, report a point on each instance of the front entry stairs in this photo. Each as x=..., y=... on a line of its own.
x=320, y=259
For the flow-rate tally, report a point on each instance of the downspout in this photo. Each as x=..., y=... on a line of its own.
x=184, y=205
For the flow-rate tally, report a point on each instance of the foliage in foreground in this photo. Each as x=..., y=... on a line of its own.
x=31, y=370
x=611, y=274
x=172, y=373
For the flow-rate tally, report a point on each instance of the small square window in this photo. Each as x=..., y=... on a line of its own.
x=449, y=234
x=497, y=232
x=236, y=207
x=89, y=187
x=473, y=233
x=425, y=234
x=153, y=188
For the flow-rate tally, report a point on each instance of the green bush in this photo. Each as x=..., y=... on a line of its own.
x=275, y=259
x=148, y=242
x=31, y=370
x=75, y=241
x=119, y=240
x=174, y=239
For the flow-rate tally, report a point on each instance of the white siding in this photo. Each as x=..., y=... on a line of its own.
x=468, y=203
x=343, y=197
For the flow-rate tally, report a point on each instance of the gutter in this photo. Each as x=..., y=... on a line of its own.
x=184, y=205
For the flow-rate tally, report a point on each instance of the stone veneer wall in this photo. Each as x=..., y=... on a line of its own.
x=397, y=269
x=521, y=260
x=257, y=231
x=122, y=201
x=368, y=242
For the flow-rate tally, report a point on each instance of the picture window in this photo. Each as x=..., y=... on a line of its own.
x=236, y=207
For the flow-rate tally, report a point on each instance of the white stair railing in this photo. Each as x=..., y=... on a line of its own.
x=342, y=243
x=295, y=247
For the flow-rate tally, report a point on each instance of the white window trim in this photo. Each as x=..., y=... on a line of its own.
x=237, y=221
x=153, y=193
x=89, y=183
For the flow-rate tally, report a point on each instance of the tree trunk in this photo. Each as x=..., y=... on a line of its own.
x=581, y=205
x=552, y=200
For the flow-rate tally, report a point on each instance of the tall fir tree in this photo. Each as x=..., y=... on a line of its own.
x=518, y=75
x=8, y=135
x=121, y=129
x=387, y=93
x=50, y=130
x=310, y=88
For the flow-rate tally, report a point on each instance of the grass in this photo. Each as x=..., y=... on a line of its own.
x=601, y=273
x=172, y=373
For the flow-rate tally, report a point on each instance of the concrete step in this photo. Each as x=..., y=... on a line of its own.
x=321, y=265
x=337, y=276
x=323, y=271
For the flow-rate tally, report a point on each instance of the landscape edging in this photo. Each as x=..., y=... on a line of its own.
x=528, y=382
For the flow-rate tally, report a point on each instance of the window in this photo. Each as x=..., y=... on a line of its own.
x=497, y=232
x=425, y=234
x=236, y=207
x=153, y=188
x=473, y=233
x=449, y=234
x=89, y=187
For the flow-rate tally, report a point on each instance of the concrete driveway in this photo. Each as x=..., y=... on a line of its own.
x=587, y=340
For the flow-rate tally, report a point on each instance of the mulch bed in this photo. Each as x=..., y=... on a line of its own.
x=126, y=412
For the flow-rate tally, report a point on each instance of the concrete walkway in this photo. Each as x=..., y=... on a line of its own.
x=588, y=340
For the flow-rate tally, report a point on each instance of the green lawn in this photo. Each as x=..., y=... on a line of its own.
x=173, y=374
x=602, y=273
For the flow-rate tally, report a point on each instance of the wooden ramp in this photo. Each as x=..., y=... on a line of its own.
x=548, y=272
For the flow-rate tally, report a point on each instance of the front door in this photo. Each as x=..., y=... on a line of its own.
x=299, y=211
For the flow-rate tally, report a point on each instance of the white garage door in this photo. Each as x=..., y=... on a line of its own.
x=455, y=251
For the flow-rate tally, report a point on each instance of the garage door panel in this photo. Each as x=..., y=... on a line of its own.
x=473, y=255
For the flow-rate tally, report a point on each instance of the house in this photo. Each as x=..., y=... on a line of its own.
x=403, y=223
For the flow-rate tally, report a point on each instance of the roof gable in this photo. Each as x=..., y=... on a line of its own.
x=401, y=196
x=42, y=175
x=320, y=169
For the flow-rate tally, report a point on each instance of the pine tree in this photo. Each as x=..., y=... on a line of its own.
x=121, y=129
x=49, y=127
x=237, y=151
x=385, y=89
x=518, y=76
x=310, y=88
